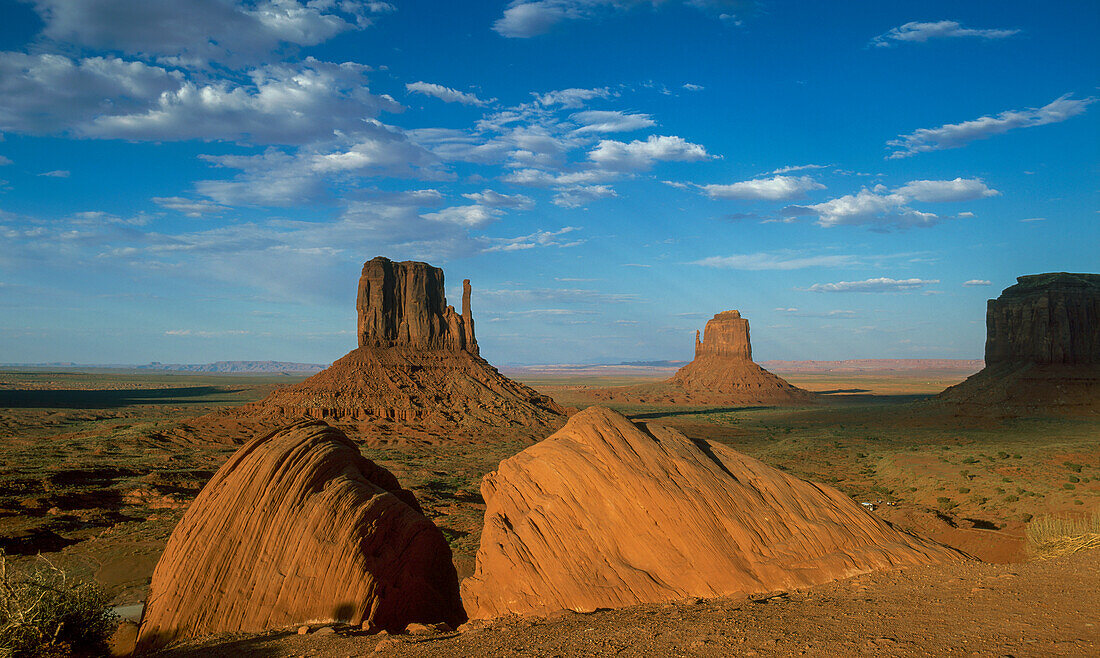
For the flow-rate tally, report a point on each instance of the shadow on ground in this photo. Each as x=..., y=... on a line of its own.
x=105, y=399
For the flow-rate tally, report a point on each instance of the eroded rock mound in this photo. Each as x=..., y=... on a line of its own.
x=1042, y=350
x=299, y=527
x=722, y=372
x=606, y=513
x=417, y=364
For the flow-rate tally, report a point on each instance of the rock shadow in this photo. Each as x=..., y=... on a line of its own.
x=105, y=399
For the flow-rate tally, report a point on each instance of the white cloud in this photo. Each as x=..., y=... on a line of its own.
x=639, y=155
x=189, y=207
x=787, y=170
x=777, y=188
x=57, y=173
x=539, y=238
x=582, y=195
x=540, y=178
x=873, y=285
x=867, y=207
x=198, y=31
x=601, y=121
x=491, y=199
x=445, y=94
x=1034, y=219
x=4, y=161
x=471, y=216
x=528, y=18
x=978, y=282
x=693, y=87
x=573, y=97
x=955, y=135
x=935, y=191
x=915, y=32
x=783, y=260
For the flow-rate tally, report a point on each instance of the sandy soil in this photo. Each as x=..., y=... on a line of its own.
x=1038, y=608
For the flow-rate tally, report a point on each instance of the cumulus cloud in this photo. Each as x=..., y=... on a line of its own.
x=870, y=207
x=782, y=260
x=640, y=156
x=693, y=87
x=582, y=195
x=199, y=31
x=959, y=189
x=955, y=135
x=471, y=216
x=601, y=121
x=116, y=99
x=189, y=207
x=915, y=32
x=977, y=282
x=445, y=94
x=523, y=19
x=881, y=284
x=777, y=188
x=572, y=98
x=491, y=199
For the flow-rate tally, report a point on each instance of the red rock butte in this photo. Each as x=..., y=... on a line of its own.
x=722, y=372
x=297, y=526
x=417, y=364
x=606, y=513
x=1042, y=350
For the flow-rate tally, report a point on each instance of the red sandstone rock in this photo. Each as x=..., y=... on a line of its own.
x=1042, y=350
x=606, y=513
x=298, y=527
x=721, y=373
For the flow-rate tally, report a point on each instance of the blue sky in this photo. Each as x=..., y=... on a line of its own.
x=202, y=180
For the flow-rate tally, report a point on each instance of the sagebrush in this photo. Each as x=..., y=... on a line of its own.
x=1051, y=536
x=45, y=612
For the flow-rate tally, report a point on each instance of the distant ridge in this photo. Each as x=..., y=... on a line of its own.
x=237, y=366
x=868, y=365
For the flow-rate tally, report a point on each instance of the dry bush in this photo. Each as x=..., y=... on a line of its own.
x=44, y=612
x=1051, y=536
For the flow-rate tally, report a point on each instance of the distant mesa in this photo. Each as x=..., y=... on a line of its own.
x=722, y=372
x=241, y=367
x=1042, y=350
x=607, y=513
x=299, y=527
x=417, y=364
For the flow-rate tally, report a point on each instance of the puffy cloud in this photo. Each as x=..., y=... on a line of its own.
x=582, y=195
x=112, y=98
x=868, y=207
x=777, y=188
x=198, y=31
x=528, y=18
x=782, y=260
x=189, y=207
x=959, y=189
x=471, y=216
x=955, y=135
x=601, y=121
x=693, y=87
x=977, y=282
x=445, y=94
x=491, y=199
x=881, y=284
x=915, y=32
x=573, y=97
x=540, y=178
x=639, y=155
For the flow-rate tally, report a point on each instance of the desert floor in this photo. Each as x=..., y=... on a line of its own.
x=92, y=476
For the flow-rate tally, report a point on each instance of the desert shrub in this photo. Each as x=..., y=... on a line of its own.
x=964, y=489
x=44, y=612
x=1003, y=455
x=1067, y=486
x=1074, y=478
x=971, y=460
x=1051, y=536
x=946, y=503
x=1076, y=468
x=1011, y=499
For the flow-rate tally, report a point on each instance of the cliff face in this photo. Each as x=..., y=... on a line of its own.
x=726, y=335
x=403, y=305
x=1045, y=319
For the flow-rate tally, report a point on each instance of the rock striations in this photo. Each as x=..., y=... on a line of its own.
x=722, y=372
x=417, y=364
x=606, y=513
x=1042, y=350
x=299, y=527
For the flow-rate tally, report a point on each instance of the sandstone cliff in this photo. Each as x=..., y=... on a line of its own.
x=297, y=527
x=606, y=513
x=1042, y=351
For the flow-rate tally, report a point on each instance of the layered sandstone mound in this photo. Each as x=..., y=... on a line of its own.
x=297, y=527
x=722, y=372
x=606, y=513
x=417, y=363
x=1042, y=350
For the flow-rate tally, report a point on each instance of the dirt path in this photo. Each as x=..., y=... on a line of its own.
x=1039, y=608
